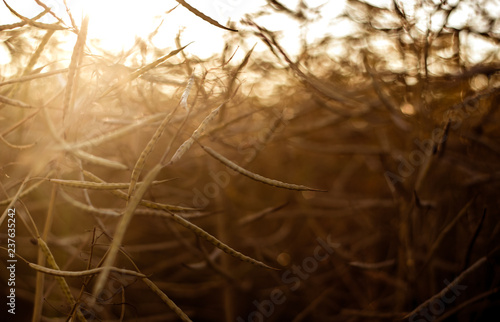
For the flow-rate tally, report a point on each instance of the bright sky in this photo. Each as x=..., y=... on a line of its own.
x=116, y=22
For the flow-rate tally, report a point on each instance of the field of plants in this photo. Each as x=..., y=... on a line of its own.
x=356, y=180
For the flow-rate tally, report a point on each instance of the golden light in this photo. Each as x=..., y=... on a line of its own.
x=114, y=25
x=407, y=109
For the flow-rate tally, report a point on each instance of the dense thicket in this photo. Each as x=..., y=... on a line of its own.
x=365, y=168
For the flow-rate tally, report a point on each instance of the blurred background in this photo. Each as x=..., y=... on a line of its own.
x=378, y=119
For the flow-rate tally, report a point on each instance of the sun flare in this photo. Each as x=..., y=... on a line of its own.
x=332, y=160
x=115, y=24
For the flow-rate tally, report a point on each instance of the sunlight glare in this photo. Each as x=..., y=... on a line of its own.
x=117, y=23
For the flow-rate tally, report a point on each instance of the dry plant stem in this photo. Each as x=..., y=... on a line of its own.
x=312, y=81
x=185, y=119
x=437, y=152
x=87, y=279
x=23, y=23
x=14, y=102
x=216, y=242
x=78, y=153
x=302, y=315
x=187, y=64
x=90, y=185
x=31, y=63
x=234, y=76
x=259, y=146
x=445, y=231
x=45, y=7
x=28, y=78
x=124, y=301
x=32, y=22
x=121, y=230
x=99, y=264
x=163, y=214
x=12, y=26
x=99, y=161
x=116, y=134
x=87, y=272
x=73, y=24
x=406, y=261
x=210, y=262
x=51, y=261
x=184, y=147
x=146, y=203
x=374, y=266
x=166, y=300
x=466, y=303
x=182, y=240
x=233, y=121
x=203, y=16
x=372, y=314
x=180, y=127
x=139, y=165
x=340, y=149
x=22, y=121
x=72, y=70
x=19, y=123
x=424, y=170
x=378, y=88
x=443, y=292
x=89, y=208
x=17, y=147
x=141, y=71
x=254, y=176
x=473, y=240
x=187, y=91
x=38, y=52
x=40, y=278
x=228, y=295
x=97, y=185
x=62, y=282
x=83, y=34
x=89, y=263
x=442, y=144
x=20, y=193
x=256, y=216
x=31, y=226
x=238, y=69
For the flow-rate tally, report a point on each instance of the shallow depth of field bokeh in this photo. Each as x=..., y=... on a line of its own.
x=343, y=168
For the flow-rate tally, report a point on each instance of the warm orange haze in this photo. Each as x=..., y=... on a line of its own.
x=249, y=161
